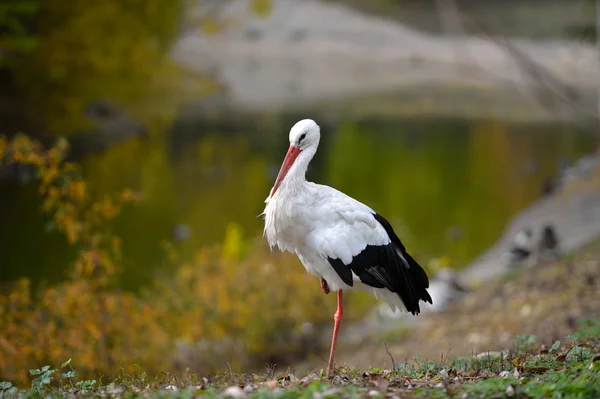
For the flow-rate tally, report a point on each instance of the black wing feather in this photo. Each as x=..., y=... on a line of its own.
x=342, y=270
x=388, y=266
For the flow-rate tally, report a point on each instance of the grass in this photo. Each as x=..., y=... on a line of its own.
x=569, y=368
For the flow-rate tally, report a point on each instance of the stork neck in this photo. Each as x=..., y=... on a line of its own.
x=296, y=177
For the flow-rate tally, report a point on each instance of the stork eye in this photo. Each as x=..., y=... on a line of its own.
x=301, y=137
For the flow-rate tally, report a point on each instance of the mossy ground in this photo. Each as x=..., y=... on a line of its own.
x=569, y=368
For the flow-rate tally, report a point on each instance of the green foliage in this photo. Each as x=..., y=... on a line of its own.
x=591, y=328
x=44, y=377
x=213, y=307
x=578, y=354
x=15, y=33
x=7, y=389
x=65, y=54
x=580, y=381
x=525, y=342
x=555, y=347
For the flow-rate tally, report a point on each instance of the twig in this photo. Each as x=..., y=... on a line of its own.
x=321, y=357
x=450, y=20
x=389, y=353
x=549, y=88
x=597, y=6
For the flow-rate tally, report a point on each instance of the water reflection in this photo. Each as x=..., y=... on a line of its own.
x=447, y=185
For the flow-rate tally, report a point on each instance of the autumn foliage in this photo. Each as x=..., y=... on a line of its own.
x=234, y=304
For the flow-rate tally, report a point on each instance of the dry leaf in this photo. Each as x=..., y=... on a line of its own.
x=379, y=381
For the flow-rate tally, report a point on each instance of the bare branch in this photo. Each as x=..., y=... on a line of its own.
x=597, y=6
x=549, y=90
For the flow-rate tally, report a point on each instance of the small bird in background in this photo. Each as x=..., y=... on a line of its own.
x=337, y=238
x=521, y=248
x=548, y=246
x=549, y=186
x=181, y=232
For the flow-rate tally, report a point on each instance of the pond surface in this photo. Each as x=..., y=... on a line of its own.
x=448, y=186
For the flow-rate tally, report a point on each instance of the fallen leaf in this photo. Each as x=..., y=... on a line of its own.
x=535, y=370
x=510, y=390
x=271, y=384
x=490, y=354
x=379, y=381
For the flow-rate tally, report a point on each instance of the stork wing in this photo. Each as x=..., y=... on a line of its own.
x=356, y=240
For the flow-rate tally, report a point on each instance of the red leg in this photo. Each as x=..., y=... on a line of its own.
x=324, y=286
x=337, y=320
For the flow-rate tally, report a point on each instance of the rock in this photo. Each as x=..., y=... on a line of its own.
x=326, y=50
x=113, y=124
x=489, y=354
x=234, y=392
x=181, y=232
x=455, y=233
x=510, y=391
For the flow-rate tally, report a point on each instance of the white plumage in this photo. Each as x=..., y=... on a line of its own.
x=319, y=222
x=337, y=238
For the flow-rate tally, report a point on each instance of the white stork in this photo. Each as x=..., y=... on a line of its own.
x=338, y=239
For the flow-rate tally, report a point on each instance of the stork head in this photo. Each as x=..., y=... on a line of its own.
x=305, y=134
x=304, y=140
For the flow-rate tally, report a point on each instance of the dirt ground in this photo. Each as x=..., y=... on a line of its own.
x=546, y=301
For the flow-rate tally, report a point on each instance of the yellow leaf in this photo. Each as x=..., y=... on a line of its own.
x=127, y=195
x=261, y=7
x=233, y=243
x=210, y=26
x=77, y=190
x=2, y=147
x=17, y=156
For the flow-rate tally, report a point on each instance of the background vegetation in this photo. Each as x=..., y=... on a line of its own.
x=73, y=53
x=229, y=297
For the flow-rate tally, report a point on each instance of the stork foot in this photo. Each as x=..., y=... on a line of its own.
x=325, y=286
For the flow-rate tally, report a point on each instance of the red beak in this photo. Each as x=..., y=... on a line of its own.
x=290, y=157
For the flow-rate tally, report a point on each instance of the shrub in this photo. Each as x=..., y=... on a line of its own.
x=234, y=303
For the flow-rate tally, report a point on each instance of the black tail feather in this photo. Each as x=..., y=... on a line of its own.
x=419, y=282
x=411, y=281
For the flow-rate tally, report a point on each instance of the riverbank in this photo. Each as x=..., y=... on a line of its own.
x=545, y=302
x=573, y=210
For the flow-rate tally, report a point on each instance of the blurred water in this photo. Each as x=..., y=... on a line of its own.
x=447, y=185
